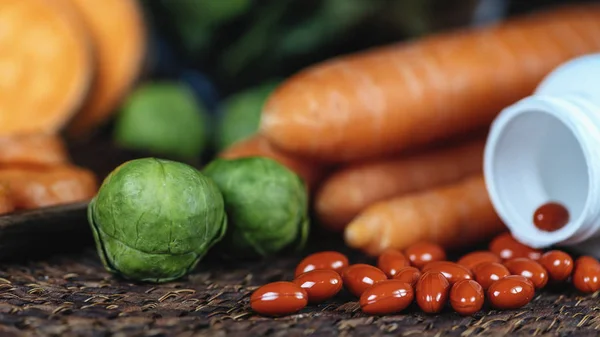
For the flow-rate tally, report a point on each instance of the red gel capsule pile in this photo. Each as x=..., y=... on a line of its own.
x=505, y=277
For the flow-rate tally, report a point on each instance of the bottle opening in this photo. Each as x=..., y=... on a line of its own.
x=534, y=157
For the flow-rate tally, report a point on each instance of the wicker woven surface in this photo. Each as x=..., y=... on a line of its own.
x=72, y=295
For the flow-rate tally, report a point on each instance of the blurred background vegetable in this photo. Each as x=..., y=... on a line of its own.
x=164, y=118
x=240, y=114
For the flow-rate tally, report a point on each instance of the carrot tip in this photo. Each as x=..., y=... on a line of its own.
x=357, y=234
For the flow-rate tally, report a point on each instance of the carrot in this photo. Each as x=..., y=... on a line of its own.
x=451, y=215
x=33, y=187
x=350, y=190
x=33, y=149
x=310, y=171
x=45, y=65
x=118, y=33
x=391, y=98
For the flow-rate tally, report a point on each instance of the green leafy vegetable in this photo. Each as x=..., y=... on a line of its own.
x=266, y=206
x=153, y=219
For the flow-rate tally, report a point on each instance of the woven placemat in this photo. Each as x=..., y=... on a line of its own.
x=72, y=295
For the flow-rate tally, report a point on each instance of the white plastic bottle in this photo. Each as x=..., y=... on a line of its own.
x=546, y=147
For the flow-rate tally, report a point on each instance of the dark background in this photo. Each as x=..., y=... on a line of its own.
x=235, y=47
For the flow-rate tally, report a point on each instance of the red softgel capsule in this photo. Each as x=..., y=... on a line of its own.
x=511, y=292
x=530, y=269
x=452, y=271
x=551, y=216
x=358, y=277
x=432, y=292
x=558, y=264
x=386, y=297
x=391, y=260
x=422, y=253
x=408, y=275
x=466, y=297
x=506, y=247
x=320, y=284
x=278, y=299
x=322, y=260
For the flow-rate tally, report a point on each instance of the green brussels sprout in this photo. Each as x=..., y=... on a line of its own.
x=241, y=114
x=154, y=219
x=163, y=118
x=266, y=205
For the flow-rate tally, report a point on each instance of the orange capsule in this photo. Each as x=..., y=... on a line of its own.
x=390, y=261
x=421, y=253
x=488, y=273
x=408, y=275
x=386, y=297
x=586, y=275
x=466, y=297
x=511, y=292
x=529, y=269
x=278, y=299
x=506, y=247
x=358, y=277
x=322, y=260
x=432, y=292
x=320, y=284
x=452, y=271
x=558, y=264
x=474, y=258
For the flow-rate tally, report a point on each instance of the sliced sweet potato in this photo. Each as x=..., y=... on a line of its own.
x=6, y=201
x=41, y=187
x=46, y=65
x=119, y=37
x=33, y=149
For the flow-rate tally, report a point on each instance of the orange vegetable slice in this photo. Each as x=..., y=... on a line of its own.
x=34, y=188
x=33, y=149
x=119, y=37
x=6, y=202
x=45, y=65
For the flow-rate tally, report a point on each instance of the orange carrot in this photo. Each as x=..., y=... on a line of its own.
x=118, y=30
x=40, y=187
x=451, y=215
x=45, y=65
x=392, y=98
x=350, y=190
x=309, y=171
x=33, y=149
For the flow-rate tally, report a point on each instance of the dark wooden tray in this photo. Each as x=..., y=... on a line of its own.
x=64, y=228
x=43, y=231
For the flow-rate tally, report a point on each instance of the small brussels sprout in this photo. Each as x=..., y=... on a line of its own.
x=163, y=118
x=154, y=219
x=266, y=205
x=240, y=114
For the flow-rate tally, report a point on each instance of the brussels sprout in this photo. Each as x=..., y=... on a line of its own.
x=241, y=114
x=266, y=205
x=164, y=118
x=154, y=219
